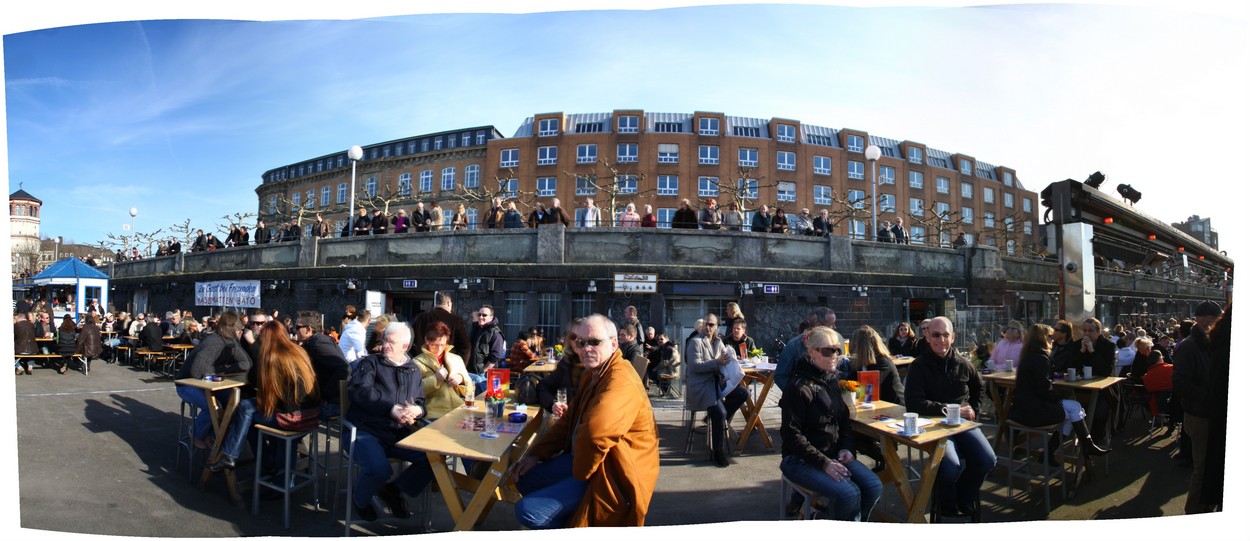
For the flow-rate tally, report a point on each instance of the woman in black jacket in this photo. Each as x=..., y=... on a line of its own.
x=817, y=445
x=1037, y=402
x=904, y=340
x=869, y=353
x=566, y=375
x=66, y=343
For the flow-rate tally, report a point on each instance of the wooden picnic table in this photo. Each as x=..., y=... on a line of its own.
x=764, y=373
x=219, y=416
x=541, y=367
x=931, y=441
x=445, y=438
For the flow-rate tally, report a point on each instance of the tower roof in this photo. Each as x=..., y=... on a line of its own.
x=21, y=194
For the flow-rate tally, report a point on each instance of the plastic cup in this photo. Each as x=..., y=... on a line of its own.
x=909, y=423
x=1011, y=365
x=1088, y=372
x=1071, y=374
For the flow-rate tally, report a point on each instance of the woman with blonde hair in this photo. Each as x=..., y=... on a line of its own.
x=285, y=383
x=870, y=353
x=732, y=312
x=1009, y=347
x=460, y=221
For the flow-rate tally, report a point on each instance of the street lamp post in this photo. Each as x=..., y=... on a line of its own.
x=56, y=249
x=873, y=153
x=126, y=245
x=354, y=153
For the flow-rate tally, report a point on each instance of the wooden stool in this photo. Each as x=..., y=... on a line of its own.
x=291, y=480
x=674, y=385
x=787, y=486
x=1026, y=468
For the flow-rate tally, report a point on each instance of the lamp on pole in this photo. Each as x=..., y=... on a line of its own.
x=133, y=212
x=873, y=153
x=354, y=153
x=56, y=249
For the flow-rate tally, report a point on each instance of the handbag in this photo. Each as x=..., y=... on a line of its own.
x=299, y=420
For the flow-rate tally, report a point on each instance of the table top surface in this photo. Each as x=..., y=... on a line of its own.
x=444, y=437
x=903, y=361
x=1096, y=383
x=45, y=339
x=180, y=346
x=541, y=367
x=231, y=381
x=934, y=432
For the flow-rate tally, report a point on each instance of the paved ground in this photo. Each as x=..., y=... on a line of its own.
x=97, y=456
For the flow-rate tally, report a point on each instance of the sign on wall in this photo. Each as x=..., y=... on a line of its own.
x=228, y=293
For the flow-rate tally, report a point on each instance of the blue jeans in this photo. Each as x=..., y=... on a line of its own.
x=849, y=500
x=196, y=396
x=720, y=412
x=479, y=383
x=371, y=455
x=551, y=494
x=960, y=487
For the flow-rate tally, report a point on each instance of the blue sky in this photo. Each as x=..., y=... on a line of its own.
x=179, y=118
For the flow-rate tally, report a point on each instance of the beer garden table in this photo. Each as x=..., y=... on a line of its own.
x=219, y=416
x=759, y=373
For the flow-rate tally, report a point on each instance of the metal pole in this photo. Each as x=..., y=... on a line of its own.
x=874, y=201
x=351, y=208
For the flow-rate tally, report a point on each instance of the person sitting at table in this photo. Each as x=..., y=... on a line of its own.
x=903, y=343
x=1097, y=352
x=522, y=352
x=387, y=404
x=23, y=340
x=328, y=362
x=44, y=328
x=937, y=377
x=1063, y=349
x=598, y=464
x=567, y=374
x=1142, y=348
x=1008, y=348
x=705, y=355
x=284, y=382
x=1038, y=403
x=1158, y=382
x=444, y=379
x=738, y=340
x=218, y=353
x=870, y=353
x=150, y=337
x=817, y=443
x=663, y=361
x=66, y=343
x=89, y=343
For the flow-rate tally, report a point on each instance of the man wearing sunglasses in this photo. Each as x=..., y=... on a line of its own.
x=940, y=376
x=598, y=463
x=488, y=346
x=705, y=384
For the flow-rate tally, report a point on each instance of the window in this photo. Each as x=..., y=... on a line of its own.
x=627, y=184
x=749, y=188
x=626, y=124
x=548, y=314
x=301, y=168
x=709, y=126
x=1009, y=200
x=451, y=141
x=989, y=220
x=917, y=234
x=943, y=211
x=668, y=127
x=1027, y=205
x=887, y=175
x=509, y=157
x=465, y=139
x=1007, y=178
x=1009, y=223
x=785, y=161
x=341, y=196
x=664, y=217
x=295, y=200
x=989, y=195
x=965, y=215
x=857, y=229
x=325, y=196
x=405, y=184
x=472, y=175
x=585, y=186
x=438, y=143
x=546, y=186
x=965, y=189
x=589, y=127
x=915, y=155
x=371, y=187
x=320, y=163
x=666, y=185
x=1028, y=227
x=822, y=140
x=426, y=181
x=943, y=185
x=822, y=165
x=447, y=216
x=548, y=127
x=887, y=203
x=787, y=191
x=709, y=187
x=425, y=145
x=668, y=153
x=449, y=179
x=785, y=133
x=854, y=143
x=481, y=137
x=340, y=161
x=548, y=155
x=965, y=166
x=412, y=147
x=709, y=154
x=855, y=198
x=822, y=195
x=746, y=131
x=508, y=187
x=273, y=204
x=915, y=179
x=626, y=152
x=917, y=207
x=855, y=170
x=1011, y=247
x=588, y=153
x=748, y=157
x=471, y=215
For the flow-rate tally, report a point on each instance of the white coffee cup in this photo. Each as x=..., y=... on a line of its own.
x=1011, y=365
x=1071, y=374
x=909, y=424
x=952, y=414
x=1088, y=372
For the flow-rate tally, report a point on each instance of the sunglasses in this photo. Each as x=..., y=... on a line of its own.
x=302, y=327
x=591, y=342
x=712, y=324
x=828, y=352
x=255, y=323
x=483, y=315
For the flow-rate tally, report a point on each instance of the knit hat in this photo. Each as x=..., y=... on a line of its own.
x=1208, y=308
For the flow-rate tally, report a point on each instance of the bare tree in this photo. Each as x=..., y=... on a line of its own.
x=939, y=222
x=1007, y=230
x=503, y=188
x=856, y=209
x=184, y=230
x=745, y=185
x=614, y=183
x=238, y=219
x=26, y=258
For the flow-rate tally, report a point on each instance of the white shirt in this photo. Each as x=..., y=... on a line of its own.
x=590, y=218
x=1125, y=356
x=352, y=341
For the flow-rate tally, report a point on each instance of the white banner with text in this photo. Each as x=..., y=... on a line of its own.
x=228, y=293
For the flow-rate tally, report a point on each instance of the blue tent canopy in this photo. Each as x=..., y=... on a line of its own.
x=66, y=271
x=82, y=280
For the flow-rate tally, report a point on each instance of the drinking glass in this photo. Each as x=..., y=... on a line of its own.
x=562, y=396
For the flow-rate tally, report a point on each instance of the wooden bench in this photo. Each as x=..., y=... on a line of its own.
x=153, y=357
x=43, y=358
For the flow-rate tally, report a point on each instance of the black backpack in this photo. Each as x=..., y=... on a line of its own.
x=527, y=389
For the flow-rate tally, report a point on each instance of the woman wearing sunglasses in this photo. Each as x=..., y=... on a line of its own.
x=705, y=384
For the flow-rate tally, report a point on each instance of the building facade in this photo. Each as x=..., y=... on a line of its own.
x=1200, y=228
x=24, y=218
x=659, y=159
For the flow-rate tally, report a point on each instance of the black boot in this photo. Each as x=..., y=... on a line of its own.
x=1089, y=448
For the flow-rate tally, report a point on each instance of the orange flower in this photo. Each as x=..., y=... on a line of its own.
x=849, y=386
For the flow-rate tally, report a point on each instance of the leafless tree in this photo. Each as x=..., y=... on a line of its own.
x=1006, y=229
x=499, y=187
x=614, y=183
x=184, y=230
x=744, y=186
x=856, y=209
x=937, y=222
x=238, y=219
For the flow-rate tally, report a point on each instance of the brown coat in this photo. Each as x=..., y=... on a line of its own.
x=616, y=449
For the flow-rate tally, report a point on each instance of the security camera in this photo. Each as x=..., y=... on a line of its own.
x=1070, y=266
